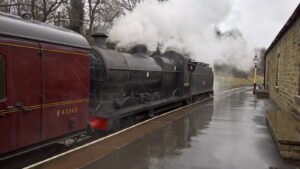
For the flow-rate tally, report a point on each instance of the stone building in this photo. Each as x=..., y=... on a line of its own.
x=282, y=82
x=282, y=59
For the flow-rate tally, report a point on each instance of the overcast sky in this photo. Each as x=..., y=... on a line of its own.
x=260, y=20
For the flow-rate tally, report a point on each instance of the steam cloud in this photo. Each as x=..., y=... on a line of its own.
x=188, y=26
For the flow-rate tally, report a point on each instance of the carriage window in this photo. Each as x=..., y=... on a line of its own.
x=2, y=78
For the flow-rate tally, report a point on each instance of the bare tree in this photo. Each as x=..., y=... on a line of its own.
x=72, y=13
x=93, y=6
x=5, y=6
x=48, y=7
x=128, y=5
x=39, y=9
x=103, y=12
x=17, y=7
x=109, y=10
x=76, y=15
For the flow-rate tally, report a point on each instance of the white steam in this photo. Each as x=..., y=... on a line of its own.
x=187, y=26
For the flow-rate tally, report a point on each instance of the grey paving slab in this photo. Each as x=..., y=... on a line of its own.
x=228, y=133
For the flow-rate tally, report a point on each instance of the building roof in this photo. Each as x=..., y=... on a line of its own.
x=16, y=26
x=293, y=18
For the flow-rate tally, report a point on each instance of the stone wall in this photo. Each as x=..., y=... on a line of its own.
x=283, y=70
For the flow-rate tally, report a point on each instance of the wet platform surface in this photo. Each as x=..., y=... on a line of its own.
x=227, y=133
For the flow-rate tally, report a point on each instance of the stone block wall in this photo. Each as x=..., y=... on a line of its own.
x=282, y=79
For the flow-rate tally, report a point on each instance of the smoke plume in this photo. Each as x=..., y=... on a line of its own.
x=189, y=26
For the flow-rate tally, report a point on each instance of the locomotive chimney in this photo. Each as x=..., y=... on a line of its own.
x=140, y=49
x=100, y=40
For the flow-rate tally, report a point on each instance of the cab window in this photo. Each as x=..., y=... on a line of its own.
x=2, y=78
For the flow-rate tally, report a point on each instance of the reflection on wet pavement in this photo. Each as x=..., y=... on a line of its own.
x=228, y=133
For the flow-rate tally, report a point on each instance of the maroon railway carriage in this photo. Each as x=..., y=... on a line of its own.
x=44, y=82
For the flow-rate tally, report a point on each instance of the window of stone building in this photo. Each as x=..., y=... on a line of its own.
x=2, y=78
x=277, y=69
x=268, y=74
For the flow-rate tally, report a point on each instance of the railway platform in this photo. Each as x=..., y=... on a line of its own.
x=228, y=132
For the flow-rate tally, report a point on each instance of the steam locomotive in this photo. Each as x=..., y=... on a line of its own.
x=54, y=85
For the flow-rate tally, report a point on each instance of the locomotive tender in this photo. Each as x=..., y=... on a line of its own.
x=53, y=84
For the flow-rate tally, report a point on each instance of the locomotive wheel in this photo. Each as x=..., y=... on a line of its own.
x=151, y=113
x=188, y=100
x=128, y=121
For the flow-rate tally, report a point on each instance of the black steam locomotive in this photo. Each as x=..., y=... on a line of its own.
x=131, y=86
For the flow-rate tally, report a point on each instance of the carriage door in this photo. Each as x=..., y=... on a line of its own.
x=65, y=82
x=21, y=117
